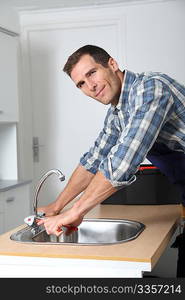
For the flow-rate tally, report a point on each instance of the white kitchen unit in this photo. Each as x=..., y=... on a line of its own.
x=67, y=268
x=8, y=151
x=8, y=78
x=14, y=193
x=8, y=104
x=1, y=216
x=14, y=203
x=9, y=108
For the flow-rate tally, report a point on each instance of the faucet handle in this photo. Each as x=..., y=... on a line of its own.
x=40, y=215
x=31, y=220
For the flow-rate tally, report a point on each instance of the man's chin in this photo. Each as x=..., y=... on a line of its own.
x=102, y=101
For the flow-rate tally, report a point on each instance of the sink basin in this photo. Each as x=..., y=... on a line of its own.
x=90, y=232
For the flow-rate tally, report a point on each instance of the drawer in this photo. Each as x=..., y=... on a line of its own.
x=16, y=206
x=1, y=216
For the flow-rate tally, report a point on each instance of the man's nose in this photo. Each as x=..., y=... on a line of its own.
x=91, y=85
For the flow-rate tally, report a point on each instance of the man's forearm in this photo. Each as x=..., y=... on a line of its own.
x=97, y=191
x=77, y=183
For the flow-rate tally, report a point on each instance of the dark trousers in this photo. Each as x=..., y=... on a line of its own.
x=171, y=163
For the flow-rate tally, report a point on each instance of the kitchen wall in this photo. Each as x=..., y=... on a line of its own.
x=150, y=38
x=9, y=17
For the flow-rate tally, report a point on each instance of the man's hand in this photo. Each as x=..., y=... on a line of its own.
x=53, y=224
x=98, y=190
x=50, y=209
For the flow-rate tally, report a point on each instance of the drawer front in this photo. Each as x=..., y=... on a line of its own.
x=1, y=216
x=16, y=206
x=1, y=204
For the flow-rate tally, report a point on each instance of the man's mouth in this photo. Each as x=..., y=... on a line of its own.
x=99, y=92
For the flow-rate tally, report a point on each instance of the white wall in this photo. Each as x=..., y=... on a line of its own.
x=151, y=36
x=155, y=38
x=9, y=17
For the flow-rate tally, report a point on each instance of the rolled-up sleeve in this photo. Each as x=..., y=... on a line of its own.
x=104, y=142
x=150, y=105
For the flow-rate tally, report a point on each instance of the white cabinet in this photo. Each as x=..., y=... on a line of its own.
x=8, y=78
x=1, y=215
x=14, y=199
x=14, y=207
x=8, y=151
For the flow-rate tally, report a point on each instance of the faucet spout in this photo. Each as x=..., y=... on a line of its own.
x=42, y=180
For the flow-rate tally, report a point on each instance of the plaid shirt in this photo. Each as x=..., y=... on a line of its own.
x=151, y=109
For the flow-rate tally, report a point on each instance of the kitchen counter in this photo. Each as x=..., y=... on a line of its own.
x=6, y=185
x=128, y=259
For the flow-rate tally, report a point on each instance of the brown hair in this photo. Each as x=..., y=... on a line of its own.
x=99, y=54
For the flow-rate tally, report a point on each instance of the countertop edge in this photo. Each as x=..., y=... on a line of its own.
x=6, y=185
x=165, y=242
x=128, y=259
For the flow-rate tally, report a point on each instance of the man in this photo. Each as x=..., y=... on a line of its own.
x=146, y=118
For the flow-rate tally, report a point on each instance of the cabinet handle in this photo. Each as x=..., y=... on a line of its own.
x=10, y=199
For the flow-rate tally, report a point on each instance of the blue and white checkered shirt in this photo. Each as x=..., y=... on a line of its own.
x=151, y=109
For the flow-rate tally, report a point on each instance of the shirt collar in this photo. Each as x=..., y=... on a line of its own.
x=129, y=78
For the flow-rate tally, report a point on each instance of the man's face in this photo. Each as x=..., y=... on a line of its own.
x=96, y=81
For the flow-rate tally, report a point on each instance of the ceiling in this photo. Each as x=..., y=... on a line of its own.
x=46, y=4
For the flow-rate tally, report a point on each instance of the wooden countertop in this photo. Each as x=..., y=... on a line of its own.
x=160, y=221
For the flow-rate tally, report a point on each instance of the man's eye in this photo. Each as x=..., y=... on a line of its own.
x=80, y=85
x=92, y=72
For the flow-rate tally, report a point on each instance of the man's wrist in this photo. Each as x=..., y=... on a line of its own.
x=58, y=206
x=79, y=209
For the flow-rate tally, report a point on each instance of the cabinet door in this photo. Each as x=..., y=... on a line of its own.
x=1, y=215
x=8, y=79
x=16, y=203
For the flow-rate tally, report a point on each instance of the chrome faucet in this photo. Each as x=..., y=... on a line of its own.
x=31, y=220
x=42, y=180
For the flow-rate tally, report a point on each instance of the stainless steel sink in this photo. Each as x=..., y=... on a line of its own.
x=90, y=232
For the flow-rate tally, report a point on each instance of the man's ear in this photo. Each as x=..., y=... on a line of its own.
x=112, y=63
